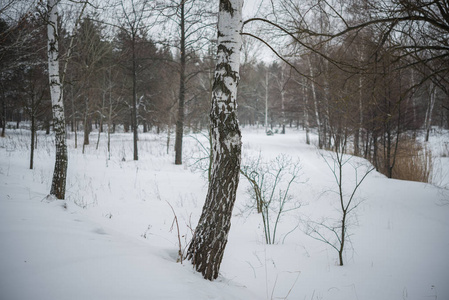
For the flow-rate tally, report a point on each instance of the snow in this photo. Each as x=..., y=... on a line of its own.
x=112, y=239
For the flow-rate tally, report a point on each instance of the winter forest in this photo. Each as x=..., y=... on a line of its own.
x=135, y=132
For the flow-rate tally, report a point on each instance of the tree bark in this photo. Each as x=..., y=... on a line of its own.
x=3, y=116
x=134, y=124
x=209, y=240
x=60, y=171
x=359, y=126
x=315, y=103
x=182, y=91
x=429, y=111
x=87, y=124
x=306, y=114
x=33, y=133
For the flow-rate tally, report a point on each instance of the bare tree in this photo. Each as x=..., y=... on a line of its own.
x=335, y=233
x=211, y=234
x=133, y=24
x=270, y=188
x=192, y=21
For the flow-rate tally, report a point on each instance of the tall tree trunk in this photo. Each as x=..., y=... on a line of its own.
x=74, y=121
x=109, y=127
x=3, y=116
x=33, y=134
x=100, y=130
x=209, y=240
x=429, y=110
x=282, y=84
x=315, y=103
x=180, y=120
x=306, y=114
x=87, y=124
x=168, y=132
x=412, y=96
x=60, y=171
x=359, y=126
x=266, y=101
x=134, y=108
x=110, y=123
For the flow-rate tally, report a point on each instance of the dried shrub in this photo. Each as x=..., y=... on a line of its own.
x=413, y=161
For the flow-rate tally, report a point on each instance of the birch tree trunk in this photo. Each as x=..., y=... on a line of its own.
x=209, y=240
x=315, y=103
x=60, y=171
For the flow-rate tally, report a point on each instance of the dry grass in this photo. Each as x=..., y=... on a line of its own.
x=413, y=162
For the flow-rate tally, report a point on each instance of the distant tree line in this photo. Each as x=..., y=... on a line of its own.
x=369, y=73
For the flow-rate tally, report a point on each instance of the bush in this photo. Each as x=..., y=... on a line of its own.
x=413, y=161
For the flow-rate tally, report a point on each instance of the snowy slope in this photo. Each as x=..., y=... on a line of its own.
x=112, y=237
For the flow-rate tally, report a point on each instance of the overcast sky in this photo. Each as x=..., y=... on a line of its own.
x=250, y=7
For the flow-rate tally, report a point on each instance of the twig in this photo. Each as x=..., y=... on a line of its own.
x=175, y=220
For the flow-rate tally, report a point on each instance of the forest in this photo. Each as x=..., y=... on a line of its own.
x=142, y=66
x=359, y=80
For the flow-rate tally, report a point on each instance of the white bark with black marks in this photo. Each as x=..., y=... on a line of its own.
x=60, y=171
x=208, y=243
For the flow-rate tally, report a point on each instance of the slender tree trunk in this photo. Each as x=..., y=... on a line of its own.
x=342, y=238
x=168, y=133
x=209, y=240
x=306, y=114
x=359, y=126
x=87, y=124
x=74, y=121
x=60, y=171
x=110, y=123
x=134, y=108
x=375, y=151
x=315, y=103
x=266, y=101
x=180, y=120
x=99, y=133
x=282, y=101
x=101, y=122
x=429, y=111
x=109, y=128
x=33, y=134
x=412, y=96
x=3, y=116
x=327, y=126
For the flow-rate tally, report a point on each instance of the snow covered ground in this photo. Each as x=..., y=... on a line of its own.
x=112, y=238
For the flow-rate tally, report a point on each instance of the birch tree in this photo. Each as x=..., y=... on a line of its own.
x=209, y=240
x=56, y=95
